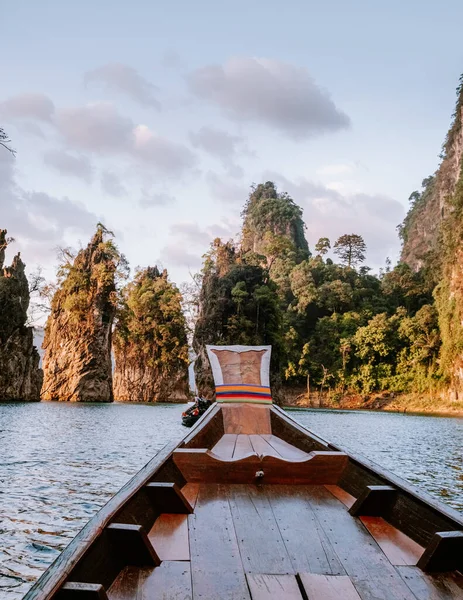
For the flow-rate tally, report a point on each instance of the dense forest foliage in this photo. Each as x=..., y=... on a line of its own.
x=333, y=325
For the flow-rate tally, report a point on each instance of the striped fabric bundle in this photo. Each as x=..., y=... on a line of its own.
x=241, y=392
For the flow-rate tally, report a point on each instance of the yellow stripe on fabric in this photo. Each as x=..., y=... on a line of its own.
x=244, y=400
x=244, y=388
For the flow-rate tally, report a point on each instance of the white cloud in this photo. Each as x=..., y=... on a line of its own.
x=28, y=106
x=270, y=92
x=96, y=127
x=339, y=169
x=111, y=184
x=222, y=145
x=38, y=221
x=191, y=235
x=68, y=164
x=125, y=79
x=225, y=190
x=150, y=199
x=169, y=157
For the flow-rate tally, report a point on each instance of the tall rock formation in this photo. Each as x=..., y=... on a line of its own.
x=421, y=228
x=271, y=218
x=150, y=342
x=77, y=359
x=432, y=233
x=20, y=376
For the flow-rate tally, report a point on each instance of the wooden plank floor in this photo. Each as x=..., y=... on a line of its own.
x=250, y=542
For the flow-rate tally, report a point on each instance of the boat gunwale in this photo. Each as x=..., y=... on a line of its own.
x=380, y=471
x=54, y=577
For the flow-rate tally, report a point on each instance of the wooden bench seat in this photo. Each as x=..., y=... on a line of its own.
x=236, y=446
x=220, y=465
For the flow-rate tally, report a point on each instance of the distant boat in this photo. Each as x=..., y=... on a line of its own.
x=250, y=505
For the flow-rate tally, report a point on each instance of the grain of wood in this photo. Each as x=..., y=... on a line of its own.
x=243, y=447
x=169, y=537
x=216, y=567
x=306, y=542
x=225, y=446
x=398, y=547
x=260, y=542
x=170, y=581
x=328, y=587
x=341, y=495
x=273, y=587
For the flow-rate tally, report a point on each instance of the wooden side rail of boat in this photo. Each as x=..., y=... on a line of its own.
x=251, y=506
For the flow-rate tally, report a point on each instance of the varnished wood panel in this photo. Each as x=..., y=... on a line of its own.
x=328, y=587
x=444, y=586
x=168, y=498
x=306, y=542
x=346, y=498
x=207, y=431
x=285, y=450
x=170, y=581
x=216, y=568
x=82, y=591
x=287, y=429
x=243, y=447
x=260, y=542
x=370, y=571
x=200, y=466
x=398, y=547
x=131, y=545
x=190, y=491
x=262, y=447
x=225, y=447
x=126, y=586
x=416, y=514
x=319, y=468
x=273, y=587
x=444, y=552
x=169, y=537
x=375, y=501
x=246, y=418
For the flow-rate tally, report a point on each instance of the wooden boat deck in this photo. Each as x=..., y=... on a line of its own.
x=247, y=541
x=252, y=506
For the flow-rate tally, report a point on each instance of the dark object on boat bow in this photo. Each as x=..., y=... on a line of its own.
x=191, y=415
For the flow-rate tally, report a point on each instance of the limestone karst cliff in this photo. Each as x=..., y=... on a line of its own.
x=77, y=345
x=20, y=376
x=150, y=342
x=430, y=207
x=433, y=233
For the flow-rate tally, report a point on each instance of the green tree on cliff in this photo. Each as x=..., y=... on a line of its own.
x=322, y=246
x=351, y=249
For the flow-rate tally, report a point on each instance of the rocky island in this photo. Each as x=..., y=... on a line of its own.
x=20, y=375
x=150, y=341
x=77, y=361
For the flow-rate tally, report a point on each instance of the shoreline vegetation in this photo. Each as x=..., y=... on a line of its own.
x=410, y=403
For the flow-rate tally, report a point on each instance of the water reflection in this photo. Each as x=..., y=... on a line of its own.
x=60, y=463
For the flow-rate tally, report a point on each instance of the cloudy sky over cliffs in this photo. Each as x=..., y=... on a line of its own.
x=155, y=118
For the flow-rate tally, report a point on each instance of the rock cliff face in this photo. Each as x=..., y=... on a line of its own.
x=433, y=233
x=150, y=342
x=20, y=376
x=422, y=225
x=77, y=359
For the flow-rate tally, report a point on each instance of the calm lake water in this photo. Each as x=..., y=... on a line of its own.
x=59, y=463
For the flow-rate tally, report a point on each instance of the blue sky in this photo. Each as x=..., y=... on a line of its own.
x=155, y=118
